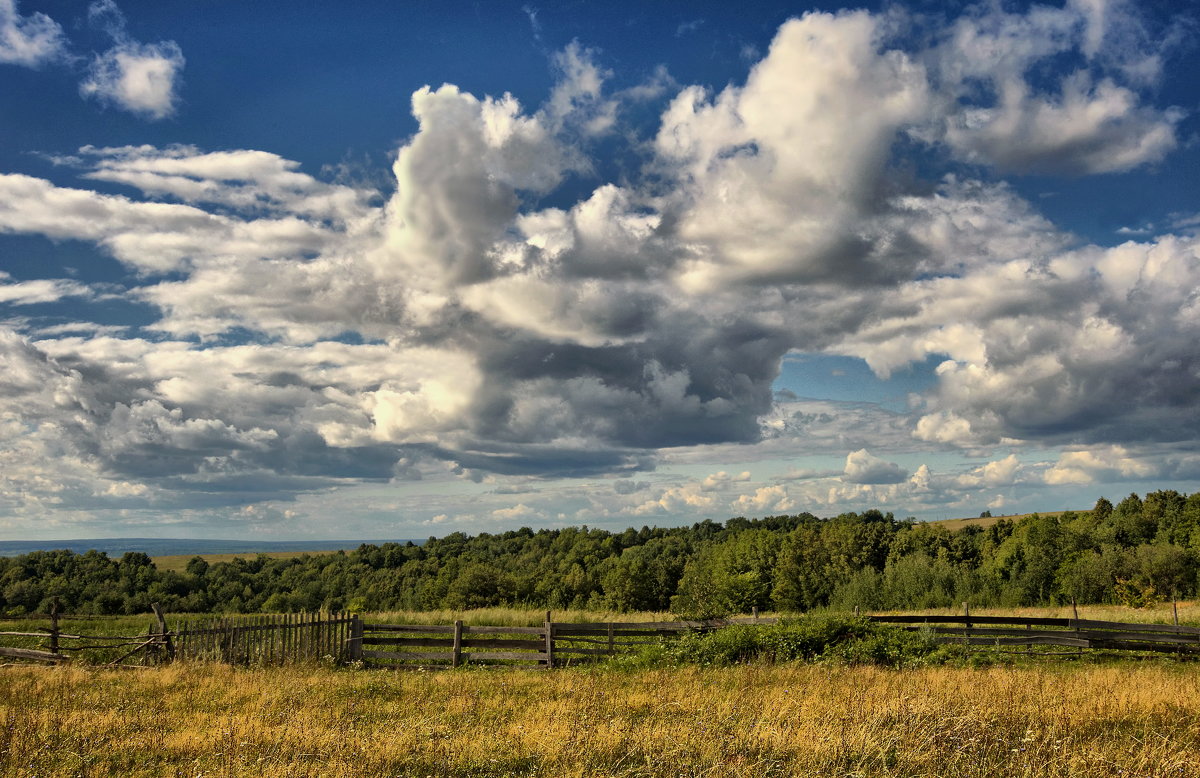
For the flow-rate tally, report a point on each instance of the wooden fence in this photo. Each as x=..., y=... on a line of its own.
x=341, y=638
x=58, y=646
x=1007, y=631
x=242, y=639
x=276, y=639
x=554, y=644
x=438, y=646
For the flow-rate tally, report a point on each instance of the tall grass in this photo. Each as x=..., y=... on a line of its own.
x=752, y=720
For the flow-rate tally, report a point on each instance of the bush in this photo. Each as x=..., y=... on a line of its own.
x=811, y=638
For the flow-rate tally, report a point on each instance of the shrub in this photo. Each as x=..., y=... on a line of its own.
x=811, y=638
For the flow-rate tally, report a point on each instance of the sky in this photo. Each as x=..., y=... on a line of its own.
x=391, y=270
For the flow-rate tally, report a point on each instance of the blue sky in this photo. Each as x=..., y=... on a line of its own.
x=378, y=270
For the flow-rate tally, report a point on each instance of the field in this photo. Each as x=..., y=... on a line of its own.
x=1087, y=716
x=986, y=521
x=754, y=720
x=178, y=562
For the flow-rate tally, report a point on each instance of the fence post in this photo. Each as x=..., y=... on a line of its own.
x=549, y=642
x=967, y=624
x=356, y=638
x=611, y=646
x=164, y=635
x=456, y=657
x=1175, y=607
x=54, y=626
x=754, y=613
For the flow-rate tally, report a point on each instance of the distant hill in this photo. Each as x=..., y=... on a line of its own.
x=155, y=547
x=987, y=521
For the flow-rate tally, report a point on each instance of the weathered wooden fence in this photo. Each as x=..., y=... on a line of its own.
x=430, y=646
x=57, y=645
x=274, y=639
x=553, y=644
x=1006, y=631
x=575, y=642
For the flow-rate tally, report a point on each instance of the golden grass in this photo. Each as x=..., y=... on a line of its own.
x=756, y=720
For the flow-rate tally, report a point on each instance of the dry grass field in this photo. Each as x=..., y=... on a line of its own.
x=1127, y=719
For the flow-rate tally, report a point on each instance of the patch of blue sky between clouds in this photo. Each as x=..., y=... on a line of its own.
x=849, y=379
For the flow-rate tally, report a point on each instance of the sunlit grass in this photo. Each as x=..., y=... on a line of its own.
x=753, y=720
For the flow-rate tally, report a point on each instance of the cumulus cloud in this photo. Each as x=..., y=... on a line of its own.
x=721, y=480
x=862, y=467
x=676, y=500
x=1087, y=466
x=141, y=78
x=31, y=40
x=767, y=499
x=1080, y=125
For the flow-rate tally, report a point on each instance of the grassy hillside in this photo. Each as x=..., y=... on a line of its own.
x=987, y=521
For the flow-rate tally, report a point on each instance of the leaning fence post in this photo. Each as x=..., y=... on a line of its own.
x=549, y=643
x=164, y=635
x=456, y=657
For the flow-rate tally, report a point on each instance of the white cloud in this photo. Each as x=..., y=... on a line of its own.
x=244, y=179
x=31, y=40
x=862, y=467
x=1001, y=472
x=1104, y=463
x=39, y=290
x=142, y=78
x=678, y=500
x=1088, y=128
x=756, y=201
x=767, y=499
x=1083, y=124
x=153, y=237
x=722, y=480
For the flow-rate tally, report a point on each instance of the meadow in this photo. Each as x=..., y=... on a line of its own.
x=751, y=720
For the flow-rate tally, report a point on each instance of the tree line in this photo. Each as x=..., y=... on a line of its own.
x=1136, y=552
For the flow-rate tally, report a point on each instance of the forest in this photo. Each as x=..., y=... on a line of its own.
x=1140, y=551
